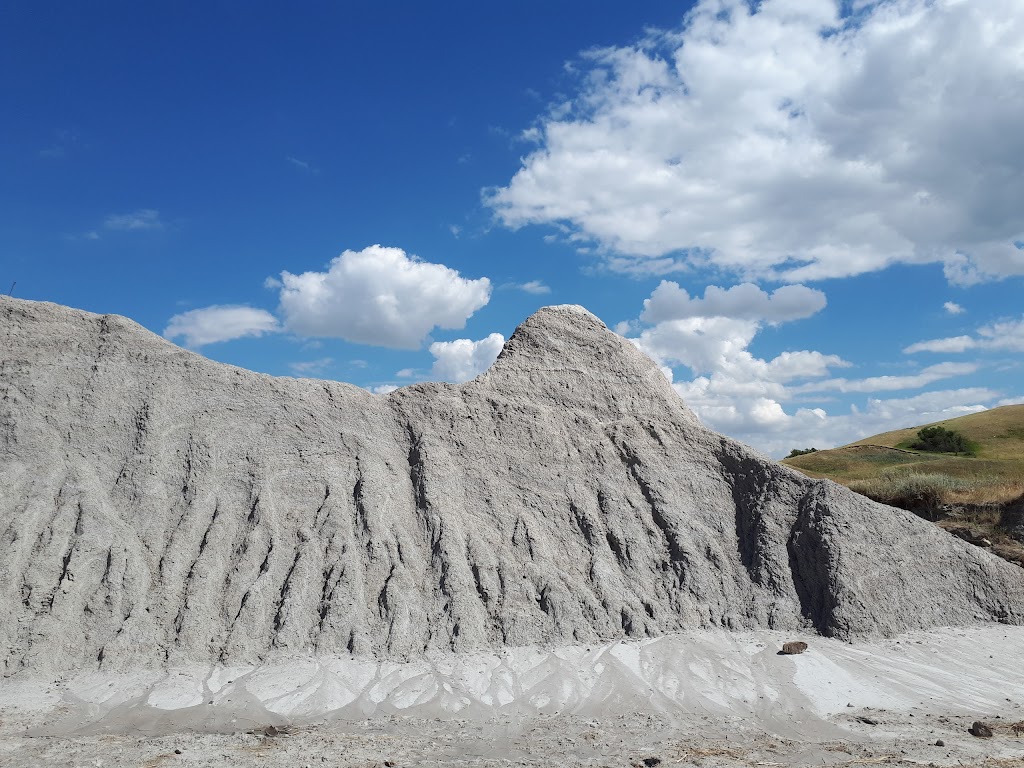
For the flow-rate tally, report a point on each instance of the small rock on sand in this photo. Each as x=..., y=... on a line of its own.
x=981, y=730
x=792, y=648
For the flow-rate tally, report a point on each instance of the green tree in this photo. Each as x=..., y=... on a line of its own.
x=941, y=440
x=801, y=452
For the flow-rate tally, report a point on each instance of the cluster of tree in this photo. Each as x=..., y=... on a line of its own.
x=941, y=440
x=801, y=452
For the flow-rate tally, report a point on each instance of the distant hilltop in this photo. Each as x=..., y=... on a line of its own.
x=975, y=490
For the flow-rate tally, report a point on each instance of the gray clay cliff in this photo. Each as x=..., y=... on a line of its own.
x=156, y=506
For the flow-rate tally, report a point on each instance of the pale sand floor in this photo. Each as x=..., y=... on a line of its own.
x=700, y=698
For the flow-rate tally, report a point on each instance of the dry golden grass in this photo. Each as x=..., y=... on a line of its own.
x=969, y=491
x=989, y=494
x=879, y=465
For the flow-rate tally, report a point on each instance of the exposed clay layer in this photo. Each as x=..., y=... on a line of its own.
x=160, y=507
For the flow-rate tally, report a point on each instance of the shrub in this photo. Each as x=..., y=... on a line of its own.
x=916, y=492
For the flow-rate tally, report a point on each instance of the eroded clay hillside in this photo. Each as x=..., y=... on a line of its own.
x=157, y=506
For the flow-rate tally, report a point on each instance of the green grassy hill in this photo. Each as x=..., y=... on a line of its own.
x=994, y=475
x=979, y=497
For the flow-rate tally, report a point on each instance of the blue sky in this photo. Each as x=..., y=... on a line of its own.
x=808, y=212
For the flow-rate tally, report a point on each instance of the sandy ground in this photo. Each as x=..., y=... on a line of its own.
x=703, y=698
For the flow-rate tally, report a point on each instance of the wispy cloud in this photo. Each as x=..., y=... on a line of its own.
x=142, y=220
x=63, y=143
x=302, y=165
x=137, y=221
x=1007, y=336
x=536, y=287
x=746, y=301
x=922, y=378
x=311, y=367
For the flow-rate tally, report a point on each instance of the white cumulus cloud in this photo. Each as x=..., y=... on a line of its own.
x=765, y=423
x=770, y=403
x=782, y=139
x=463, y=359
x=710, y=335
x=209, y=325
x=953, y=308
x=379, y=296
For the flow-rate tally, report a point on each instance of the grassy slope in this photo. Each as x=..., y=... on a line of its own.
x=999, y=433
x=976, y=491
x=995, y=474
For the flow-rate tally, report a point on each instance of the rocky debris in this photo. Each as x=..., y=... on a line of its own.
x=970, y=537
x=981, y=730
x=1012, y=519
x=794, y=647
x=161, y=508
x=274, y=730
x=940, y=743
